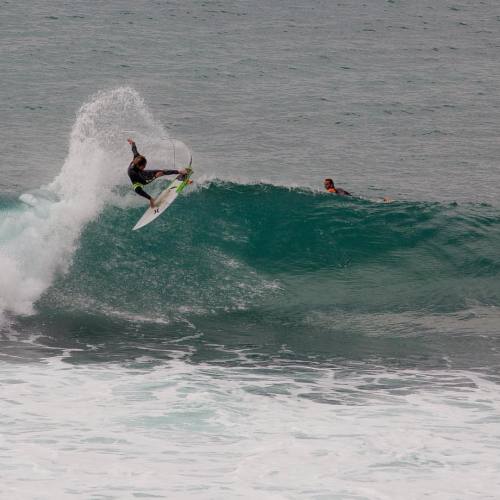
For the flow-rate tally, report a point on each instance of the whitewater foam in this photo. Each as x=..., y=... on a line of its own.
x=39, y=238
x=294, y=432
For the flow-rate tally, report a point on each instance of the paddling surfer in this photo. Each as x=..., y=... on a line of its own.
x=330, y=187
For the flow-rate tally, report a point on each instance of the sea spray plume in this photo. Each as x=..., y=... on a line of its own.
x=98, y=149
x=37, y=242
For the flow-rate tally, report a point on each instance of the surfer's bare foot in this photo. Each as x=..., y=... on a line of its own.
x=152, y=203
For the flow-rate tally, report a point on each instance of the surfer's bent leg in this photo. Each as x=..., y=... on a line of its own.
x=138, y=189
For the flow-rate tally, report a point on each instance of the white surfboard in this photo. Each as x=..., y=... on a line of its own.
x=164, y=200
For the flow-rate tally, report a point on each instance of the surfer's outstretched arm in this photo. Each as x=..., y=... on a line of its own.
x=134, y=147
x=159, y=173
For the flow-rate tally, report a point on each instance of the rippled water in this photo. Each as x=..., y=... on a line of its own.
x=262, y=339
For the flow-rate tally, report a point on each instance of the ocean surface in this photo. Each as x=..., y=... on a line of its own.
x=262, y=338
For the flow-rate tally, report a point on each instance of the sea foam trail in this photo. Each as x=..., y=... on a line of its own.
x=39, y=237
x=388, y=435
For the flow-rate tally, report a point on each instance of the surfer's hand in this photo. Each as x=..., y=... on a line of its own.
x=182, y=171
x=130, y=141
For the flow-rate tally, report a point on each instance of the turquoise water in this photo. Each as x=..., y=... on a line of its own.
x=263, y=338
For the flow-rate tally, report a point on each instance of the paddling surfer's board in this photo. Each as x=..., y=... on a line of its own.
x=164, y=200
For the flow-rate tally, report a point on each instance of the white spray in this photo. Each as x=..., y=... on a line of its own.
x=37, y=240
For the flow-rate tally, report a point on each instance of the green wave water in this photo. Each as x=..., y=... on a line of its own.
x=228, y=246
x=277, y=272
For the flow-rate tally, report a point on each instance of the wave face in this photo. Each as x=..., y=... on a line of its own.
x=271, y=266
x=227, y=247
x=231, y=247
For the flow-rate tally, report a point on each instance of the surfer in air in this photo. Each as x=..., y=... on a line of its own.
x=140, y=177
x=330, y=187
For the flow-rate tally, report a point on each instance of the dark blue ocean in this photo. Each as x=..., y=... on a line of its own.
x=262, y=338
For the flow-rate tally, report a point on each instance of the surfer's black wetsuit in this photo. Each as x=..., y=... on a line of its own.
x=140, y=178
x=339, y=191
x=342, y=192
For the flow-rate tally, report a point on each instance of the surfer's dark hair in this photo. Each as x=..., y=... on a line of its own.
x=140, y=161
